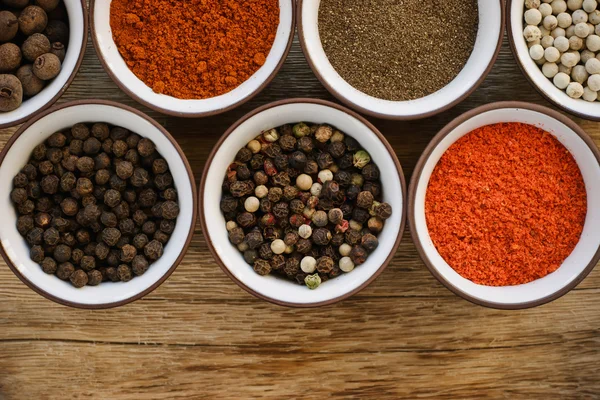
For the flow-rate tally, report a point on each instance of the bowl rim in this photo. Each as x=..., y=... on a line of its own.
x=416, y=177
x=64, y=88
x=349, y=112
x=347, y=102
x=186, y=245
x=165, y=111
x=524, y=71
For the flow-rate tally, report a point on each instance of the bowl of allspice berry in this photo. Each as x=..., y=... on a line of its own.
x=306, y=205
x=99, y=204
x=42, y=43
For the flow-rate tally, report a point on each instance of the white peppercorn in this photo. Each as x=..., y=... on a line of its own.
x=231, y=225
x=570, y=32
x=536, y=52
x=570, y=59
x=589, y=5
x=594, y=17
x=592, y=66
x=271, y=135
x=575, y=43
x=594, y=82
x=586, y=55
x=252, y=204
x=278, y=246
x=589, y=94
x=575, y=90
x=550, y=70
x=325, y=175
x=308, y=264
x=316, y=189
x=593, y=43
x=557, y=32
x=550, y=22
x=564, y=20
x=561, y=44
x=532, y=4
x=304, y=182
x=579, y=74
x=579, y=16
x=346, y=264
x=558, y=6
x=345, y=250
x=533, y=17
x=355, y=225
x=564, y=69
x=574, y=4
x=591, y=28
x=581, y=31
x=254, y=146
x=532, y=33
x=551, y=54
x=261, y=191
x=561, y=80
x=548, y=41
x=243, y=246
x=305, y=231
x=545, y=9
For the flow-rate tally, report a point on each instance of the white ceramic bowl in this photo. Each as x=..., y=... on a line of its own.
x=16, y=251
x=277, y=290
x=480, y=63
x=78, y=33
x=585, y=255
x=579, y=107
x=117, y=69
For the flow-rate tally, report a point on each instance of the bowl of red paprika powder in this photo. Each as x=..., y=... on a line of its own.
x=188, y=58
x=502, y=205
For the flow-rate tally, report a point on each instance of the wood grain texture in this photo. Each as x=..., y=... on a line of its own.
x=200, y=336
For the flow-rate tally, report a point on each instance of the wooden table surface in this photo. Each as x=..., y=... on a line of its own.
x=200, y=336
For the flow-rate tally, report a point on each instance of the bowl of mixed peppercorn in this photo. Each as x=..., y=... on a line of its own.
x=99, y=205
x=302, y=203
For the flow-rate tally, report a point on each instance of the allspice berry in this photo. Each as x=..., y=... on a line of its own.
x=47, y=66
x=10, y=57
x=57, y=31
x=47, y=5
x=20, y=4
x=33, y=19
x=32, y=85
x=11, y=93
x=59, y=50
x=9, y=26
x=34, y=46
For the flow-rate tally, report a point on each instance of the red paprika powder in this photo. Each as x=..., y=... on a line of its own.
x=506, y=204
x=194, y=49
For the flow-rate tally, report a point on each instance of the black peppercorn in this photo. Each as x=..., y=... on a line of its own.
x=374, y=188
x=128, y=253
x=112, y=198
x=94, y=277
x=236, y=235
x=54, y=155
x=353, y=237
x=306, y=144
x=358, y=255
x=254, y=239
x=113, y=258
x=87, y=263
x=24, y=224
x=20, y=180
x=153, y=250
x=266, y=206
x=119, y=148
x=262, y=267
x=244, y=155
x=291, y=238
x=325, y=265
x=65, y=270
x=170, y=210
x=118, y=133
x=149, y=227
x=281, y=210
x=369, y=242
x=62, y=253
x=140, y=241
x=365, y=200
x=383, y=211
x=50, y=184
x=241, y=188
x=265, y=252
x=146, y=147
x=290, y=192
x=76, y=256
x=139, y=265
x=281, y=162
x=167, y=226
x=337, y=149
x=275, y=194
x=292, y=266
x=277, y=262
x=36, y=253
x=111, y=274
x=124, y=273
x=51, y=236
x=49, y=266
x=250, y=256
x=111, y=236
x=303, y=246
x=122, y=211
x=324, y=160
x=360, y=215
x=343, y=178
x=26, y=207
x=260, y=178
x=298, y=160
x=257, y=161
x=311, y=167
x=18, y=195
x=370, y=172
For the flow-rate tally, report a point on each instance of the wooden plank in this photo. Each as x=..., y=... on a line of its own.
x=201, y=336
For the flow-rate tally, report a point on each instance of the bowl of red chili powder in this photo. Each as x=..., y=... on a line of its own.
x=188, y=58
x=501, y=205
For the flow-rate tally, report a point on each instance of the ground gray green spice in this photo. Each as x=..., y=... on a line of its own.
x=398, y=49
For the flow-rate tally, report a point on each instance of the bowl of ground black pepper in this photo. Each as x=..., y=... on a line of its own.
x=401, y=60
x=502, y=205
x=189, y=58
x=99, y=205
x=311, y=206
x=42, y=45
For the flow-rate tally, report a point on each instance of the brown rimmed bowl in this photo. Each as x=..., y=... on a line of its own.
x=574, y=269
x=116, y=67
x=78, y=34
x=480, y=63
x=15, y=250
x=533, y=72
x=278, y=290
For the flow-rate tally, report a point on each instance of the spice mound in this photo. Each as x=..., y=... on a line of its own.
x=304, y=202
x=95, y=203
x=33, y=41
x=398, y=50
x=506, y=204
x=193, y=49
x=563, y=39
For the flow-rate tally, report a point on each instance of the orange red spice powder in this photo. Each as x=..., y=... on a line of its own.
x=194, y=49
x=506, y=204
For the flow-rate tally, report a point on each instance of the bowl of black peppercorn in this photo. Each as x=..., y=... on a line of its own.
x=302, y=203
x=42, y=44
x=99, y=204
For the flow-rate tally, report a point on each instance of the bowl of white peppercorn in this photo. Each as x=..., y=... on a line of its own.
x=64, y=254
x=307, y=214
x=557, y=46
x=21, y=101
x=402, y=61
